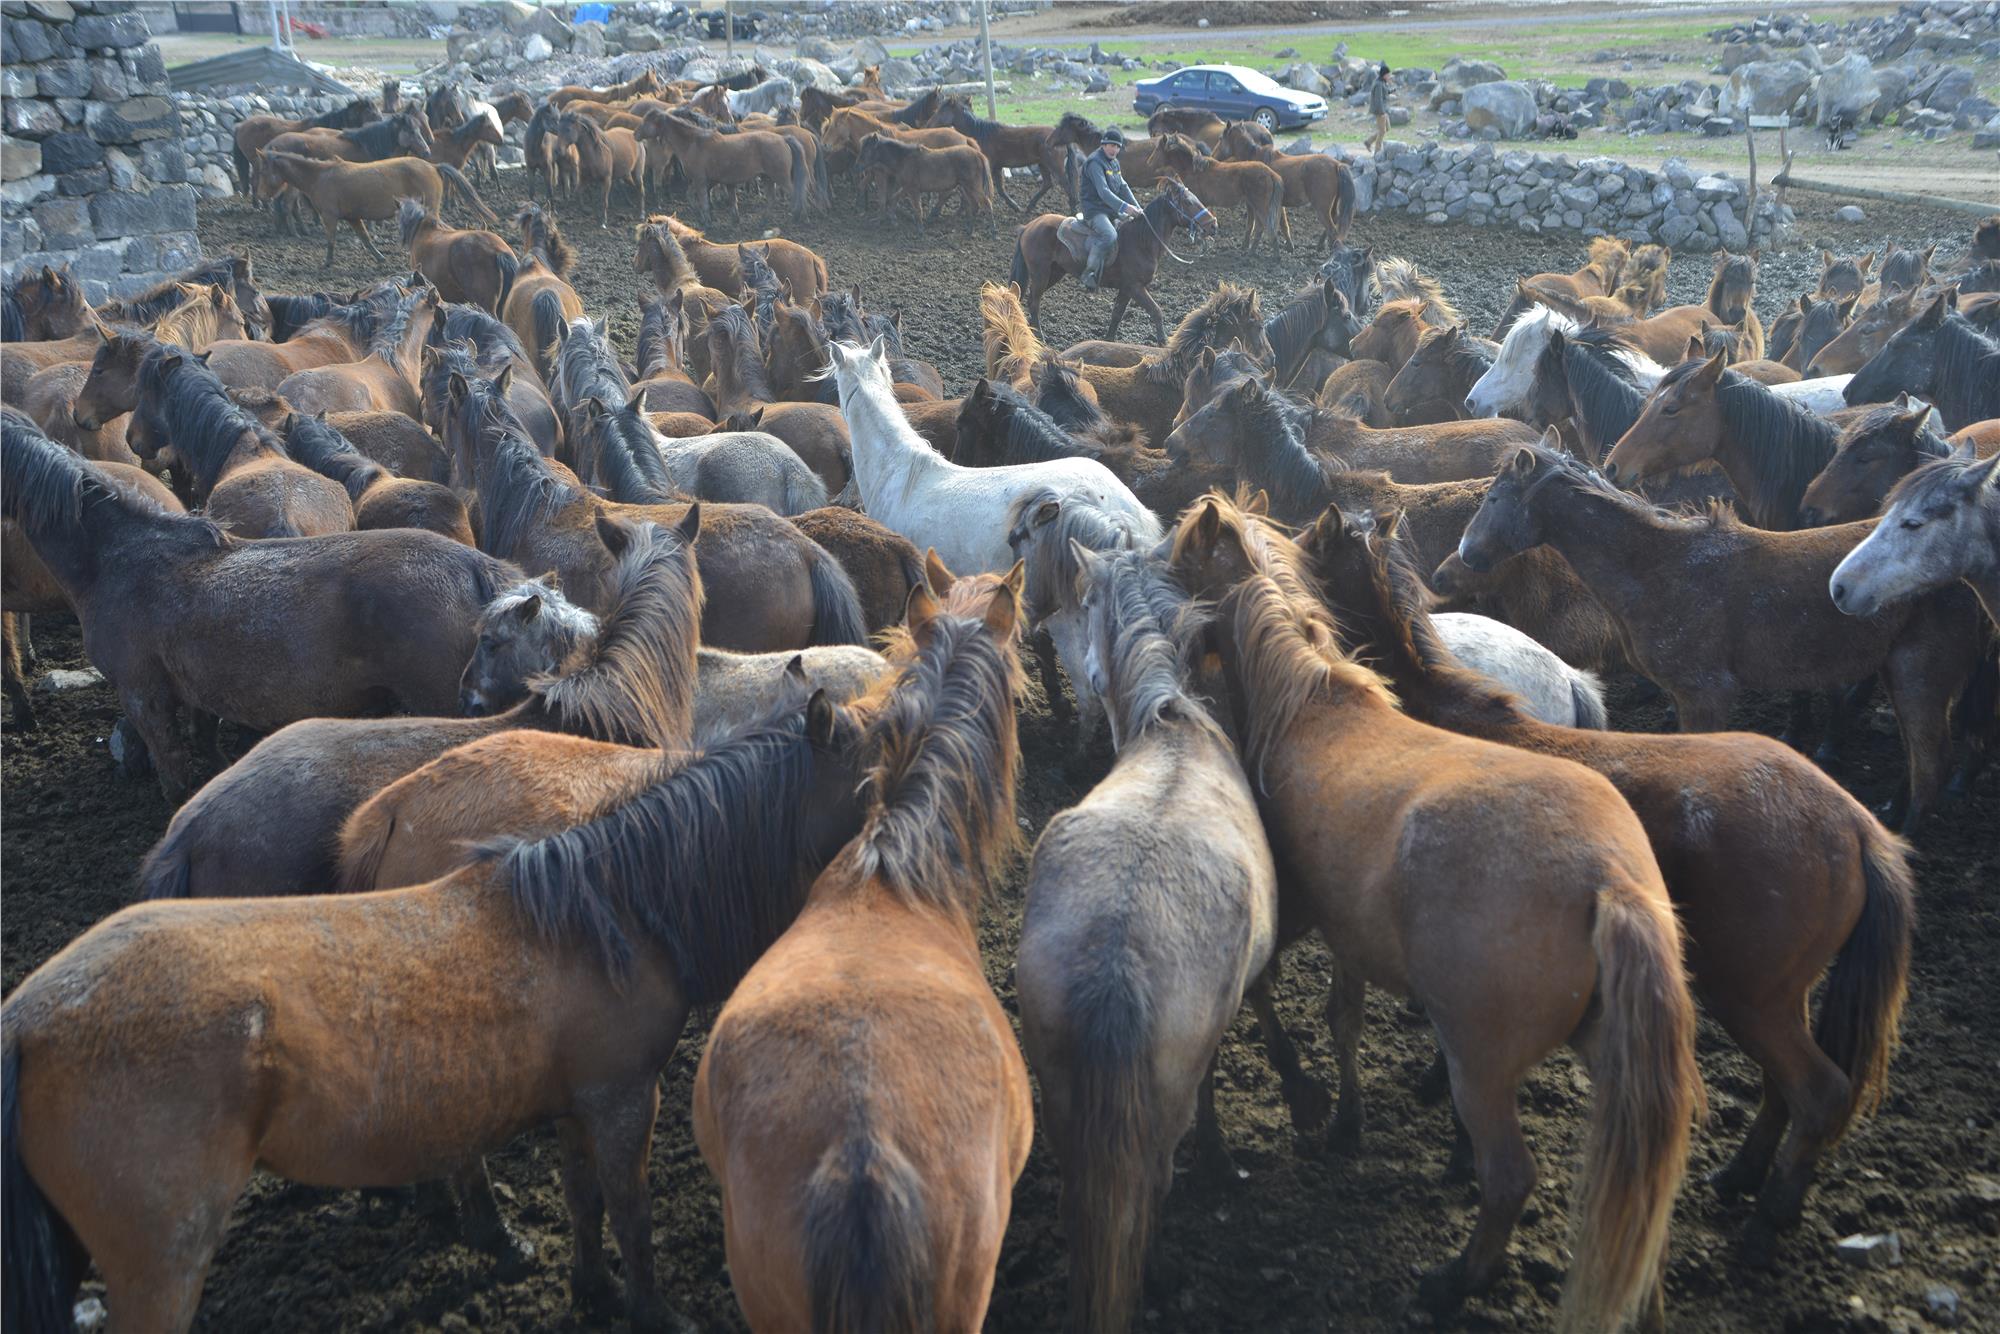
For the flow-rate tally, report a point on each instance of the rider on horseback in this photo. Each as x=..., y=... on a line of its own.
x=1105, y=198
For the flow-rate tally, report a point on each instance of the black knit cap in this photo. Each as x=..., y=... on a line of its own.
x=1112, y=135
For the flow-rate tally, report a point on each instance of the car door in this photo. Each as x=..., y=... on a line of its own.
x=1189, y=88
x=1227, y=98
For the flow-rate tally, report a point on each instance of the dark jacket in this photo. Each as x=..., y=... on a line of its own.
x=1378, y=99
x=1103, y=189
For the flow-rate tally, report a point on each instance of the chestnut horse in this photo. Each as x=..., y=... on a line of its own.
x=879, y=1199
x=1835, y=887
x=1219, y=184
x=1313, y=181
x=711, y=158
x=1413, y=850
x=1603, y=264
x=1729, y=305
x=385, y=380
x=357, y=193
x=46, y=306
x=605, y=157
x=583, y=954
x=474, y=266
x=1876, y=449
x=1005, y=146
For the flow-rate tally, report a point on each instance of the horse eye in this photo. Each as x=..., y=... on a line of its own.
x=1913, y=523
x=1670, y=409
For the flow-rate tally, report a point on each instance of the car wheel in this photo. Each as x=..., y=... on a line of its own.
x=1267, y=118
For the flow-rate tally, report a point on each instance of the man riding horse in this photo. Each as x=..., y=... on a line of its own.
x=1105, y=198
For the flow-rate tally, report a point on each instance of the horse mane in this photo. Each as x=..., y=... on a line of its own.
x=1928, y=483
x=1290, y=468
x=708, y=863
x=317, y=445
x=1961, y=350
x=379, y=136
x=731, y=325
x=588, y=130
x=1155, y=619
x=1607, y=255
x=332, y=120
x=517, y=488
x=1609, y=402
x=1785, y=445
x=1079, y=128
x=940, y=794
x=1578, y=476
x=1226, y=303
x=1469, y=356
x=49, y=488
x=586, y=367
x=1011, y=344
x=162, y=298
x=292, y=313
x=638, y=687
x=389, y=333
x=1732, y=266
x=1399, y=279
x=411, y=215
x=202, y=422
x=1025, y=433
x=1059, y=394
x=196, y=320
x=1877, y=416
x=1296, y=329
x=356, y=321
x=655, y=354
x=619, y=441
x=1051, y=577
x=462, y=322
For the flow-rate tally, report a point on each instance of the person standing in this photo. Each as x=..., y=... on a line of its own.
x=1378, y=106
x=1105, y=198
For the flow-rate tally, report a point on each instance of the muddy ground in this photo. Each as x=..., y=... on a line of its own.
x=1307, y=1241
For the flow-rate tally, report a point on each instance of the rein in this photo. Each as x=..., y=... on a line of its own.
x=1186, y=221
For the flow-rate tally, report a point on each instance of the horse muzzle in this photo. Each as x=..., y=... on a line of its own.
x=472, y=704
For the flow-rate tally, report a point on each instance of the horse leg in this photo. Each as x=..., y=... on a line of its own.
x=1346, y=1012
x=361, y=230
x=207, y=729
x=1841, y=706
x=154, y=1263
x=1052, y=685
x=604, y=205
x=332, y=230
x=1707, y=711
x=590, y=1282
x=1798, y=725
x=14, y=677
x=1144, y=296
x=1309, y=1102
x=24, y=632
x=153, y=710
x=1922, y=686
x=621, y=1138
x=1816, y=1093
x=1118, y=304
x=485, y=1229
x=1213, y=1165
x=1751, y=1163
x=1000, y=187
x=1506, y=1170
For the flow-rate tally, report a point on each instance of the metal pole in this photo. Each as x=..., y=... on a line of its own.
x=277, y=30
x=729, y=26
x=986, y=55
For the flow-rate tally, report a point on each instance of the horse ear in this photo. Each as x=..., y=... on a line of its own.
x=879, y=349
x=1694, y=348
x=593, y=408
x=1989, y=474
x=105, y=332
x=456, y=387
x=1712, y=369
x=1825, y=259
x=1847, y=308
x=319, y=416
x=819, y=710
x=1208, y=523
x=1258, y=503
x=689, y=528
x=170, y=363
x=1393, y=529
x=1933, y=315
x=201, y=358
x=529, y=608
x=936, y=574
x=216, y=296
x=1865, y=262
x=922, y=608
x=1524, y=458
x=1005, y=609
x=504, y=379
x=615, y=536
x=1208, y=358
x=1805, y=302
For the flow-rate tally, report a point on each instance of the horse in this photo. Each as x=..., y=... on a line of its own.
x=474, y=266
x=773, y=94
x=178, y=614
x=962, y=513
x=1432, y=384
x=1802, y=333
x=1005, y=146
x=545, y=155
x=480, y=135
x=1940, y=523
x=1312, y=335
x=1770, y=448
x=1941, y=356
x=605, y=157
x=914, y=170
x=1212, y=373
x=1836, y=888
x=711, y=158
x=841, y=137
x=1313, y=181
x=1550, y=369
x=744, y=467
x=738, y=689
x=396, y=442
x=644, y=84
x=397, y=136
x=50, y=306
x=1287, y=449
x=358, y=192
x=1410, y=876
x=664, y=384
x=1731, y=294
x=1219, y=184
x=1604, y=262
x=468, y=339
x=720, y=267
x=270, y=823
x=1871, y=328
x=1360, y=388
x=380, y=498
x=1203, y=127
x=883, y=564
x=619, y=926
x=253, y=132
x=108, y=385
x=814, y=431
x=879, y=1200
x=1708, y=607
x=1875, y=450
x=770, y=587
x=1229, y=313
x=384, y=380
x=1151, y=906
x=539, y=306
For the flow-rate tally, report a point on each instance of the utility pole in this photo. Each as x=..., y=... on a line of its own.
x=729, y=26
x=986, y=54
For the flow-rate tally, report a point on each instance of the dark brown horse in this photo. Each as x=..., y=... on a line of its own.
x=1874, y=452
x=381, y=499
x=1432, y=384
x=1313, y=181
x=1221, y=184
x=1006, y=146
x=1042, y=259
x=711, y=158
x=46, y=305
x=474, y=266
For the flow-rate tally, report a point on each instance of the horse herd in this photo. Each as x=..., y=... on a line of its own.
x=688, y=684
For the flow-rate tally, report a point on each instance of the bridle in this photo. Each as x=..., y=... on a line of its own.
x=1189, y=223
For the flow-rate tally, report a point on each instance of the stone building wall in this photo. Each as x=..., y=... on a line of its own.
x=95, y=171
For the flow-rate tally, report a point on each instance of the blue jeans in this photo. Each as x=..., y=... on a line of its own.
x=1103, y=239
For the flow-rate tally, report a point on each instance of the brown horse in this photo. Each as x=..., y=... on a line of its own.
x=664, y=384
x=1230, y=315
x=1361, y=390
x=253, y=132
x=1042, y=259
x=1392, y=336
x=1731, y=294
x=1204, y=127
x=270, y=823
x=404, y=134
x=380, y=498
x=1804, y=331
x=391, y=439
x=1433, y=381
x=719, y=266
x=179, y=615
x=1865, y=335
x=913, y=170
x=883, y=564
x=474, y=266
x=840, y=140
x=1313, y=181
x=1835, y=888
x=536, y=321
x=385, y=380
x=49, y=304
x=645, y=84
x=1006, y=146
x=917, y=1145
x=585, y=951
x=1288, y=449
x=605, y=158
x=1413, y=850
x=1603, y=264
x=342, y=334
x=1220, y=184
x=711, y=158
x=1875, y=451
x=816, y=432
x=1708, y=607
x=357, y=193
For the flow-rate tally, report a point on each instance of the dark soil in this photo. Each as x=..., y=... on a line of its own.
x=1308, y=1241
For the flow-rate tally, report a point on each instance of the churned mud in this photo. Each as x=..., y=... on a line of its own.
x=1306, y=1240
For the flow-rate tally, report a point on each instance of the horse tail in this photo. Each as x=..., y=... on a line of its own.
x=866, y=1252
x=1865, y=988
x=1586, y=700
x=466, y=194
x=837, y=615
x=801, y=179
x=510, y=269
x=1647, y=1095
x=39, y=1269
x=1114, y=1176
x=242, y=164
x=545, y=314
x=364, y=842
x=167, y=872
x=1343, y=203
x=1018, y=274
x=820, y=181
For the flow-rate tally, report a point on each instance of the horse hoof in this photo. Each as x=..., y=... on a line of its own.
x=1344, y=1135
x=1310, y=1105
x=1443, y=1289
x=1759, y=1248
x=593, y=1291
x=1734, y=1181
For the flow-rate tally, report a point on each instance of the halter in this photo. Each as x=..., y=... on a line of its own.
x=1186, y=221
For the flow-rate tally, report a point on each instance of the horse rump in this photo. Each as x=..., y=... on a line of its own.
x=866, y=1249
x=41, y=1261
x=545, y=313
x=1865, y=987
x=837, y=617
x=167, y=871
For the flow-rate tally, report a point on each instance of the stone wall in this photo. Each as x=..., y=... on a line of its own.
x=210, y=120
x=1482, y=185
x=95, y=174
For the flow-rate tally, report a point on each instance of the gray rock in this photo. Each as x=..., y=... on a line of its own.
x=167, y=209
x=19, y=158
x=70, y=151
x=1767, y=87
x=1849, y=213
x=133, y=120
x=1972, y=112
x=1506, y=107
x=1988, y=136
x=62, y=678
x=1728, y=230
x=1952, y=88
x=897, y=73
x=65, y=223
x=1711, y=188
x=1467, y=73
x=536, y=48
x=1579, y=197
x=870, y=51
x=1849, y=88
x=587, y=40
x=63, y=78
x=31, y=118
x=1871, y=1250
x=1942, y=1304
x=115, y=31
x=640, y=37
x=1676, y=230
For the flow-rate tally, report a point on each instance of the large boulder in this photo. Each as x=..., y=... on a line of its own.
x=809, y=73
x=1738, y=54
x=814, y=47
x=536, y=49
x=1767, y=87
x=898, y=73
x=1952, y=87
x=1466, y=73
x=588, y=41
x=1507, y=107
x=870, y=51
x=1848, y=88
x=1306, y=79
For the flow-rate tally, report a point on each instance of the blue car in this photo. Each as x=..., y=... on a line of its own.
x=1231, y=92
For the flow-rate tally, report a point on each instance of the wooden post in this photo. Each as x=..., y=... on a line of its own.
x=729, y=26
x=986, y=55
x=1750, y=221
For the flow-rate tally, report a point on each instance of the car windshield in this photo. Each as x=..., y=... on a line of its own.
x=1256, y=82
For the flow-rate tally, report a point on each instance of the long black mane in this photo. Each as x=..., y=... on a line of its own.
x=1059, y=393
x=289, y=314
x=379, y=140
x=1967, y=379
x=1020, y=431
x=732, y=340
x=312, y=442
x=1308, y=322
x=1596, y=382
x=13, y=323
x=163, y=297
x=585, y=367
x=51, y=490
x=492, y=342
x=518, y=492
x=201, y=421
x=618, y=440
x=360, y=111
x=1785, y=445
x=711, y=863
x=1271, y=449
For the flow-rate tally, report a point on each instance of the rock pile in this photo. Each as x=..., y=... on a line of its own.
x=1541, y=192
x=95, y=174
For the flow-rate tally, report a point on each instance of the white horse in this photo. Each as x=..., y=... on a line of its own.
x=486, y=155
x=1941, y=523
x=962, y=513
x=734, y=690
x=772, y=95
x=1550, y=688
x=742, y=467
